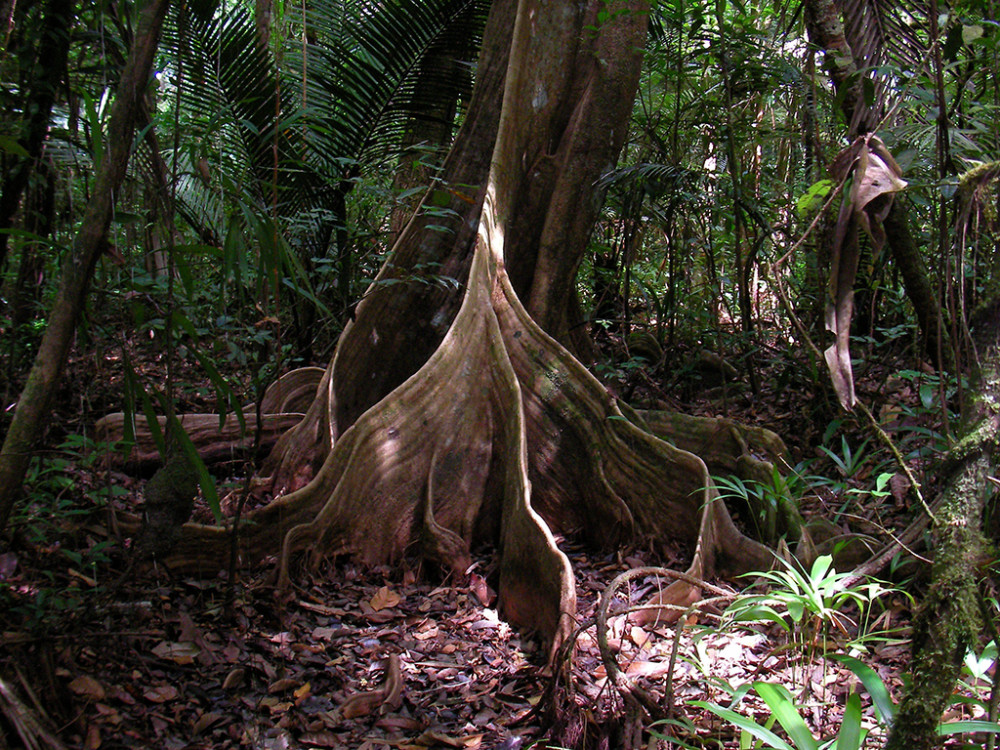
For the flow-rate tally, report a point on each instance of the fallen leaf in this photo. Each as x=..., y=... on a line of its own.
x=93, y=740
x=324, y=634
x=179, y=653
x=361, y=704
x=394, y=683
x=322, y=739
x=390, y=694
x=384, y=598
x=81, y=577
x=234, y=679
x=109, y=714
x=397, y=723
x=87, y=687
x=647, y=668
x=206, y=720
x=280, y=686
x=160, y=694
x=431, y=737
x=302, y=692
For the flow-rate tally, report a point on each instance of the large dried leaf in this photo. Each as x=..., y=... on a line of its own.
x=875, y=179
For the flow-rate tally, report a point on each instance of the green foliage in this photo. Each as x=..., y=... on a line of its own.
x=804, y=603
x=766, y=501
x=784, y=710
x=62, y=494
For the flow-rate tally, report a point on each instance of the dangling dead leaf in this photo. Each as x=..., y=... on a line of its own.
x=481, y=589
x=876, y=178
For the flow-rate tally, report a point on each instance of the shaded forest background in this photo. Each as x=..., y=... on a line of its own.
x=277, y=152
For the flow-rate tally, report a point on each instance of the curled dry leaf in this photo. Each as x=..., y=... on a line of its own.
x=384, y=598
x=875, y=179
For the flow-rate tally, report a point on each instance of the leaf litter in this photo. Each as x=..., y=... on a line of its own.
x=370, y=658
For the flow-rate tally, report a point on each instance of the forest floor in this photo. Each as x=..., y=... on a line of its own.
x=109, y=656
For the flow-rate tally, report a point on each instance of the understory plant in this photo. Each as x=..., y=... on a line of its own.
x=855, y=727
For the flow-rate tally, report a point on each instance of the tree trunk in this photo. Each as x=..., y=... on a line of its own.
x=950, y=618
x=50, y=64
x=36, y=397
x=434, y=431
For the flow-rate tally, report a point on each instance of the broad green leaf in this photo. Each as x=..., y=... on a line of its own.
x=813, y=198
x=971, y=33
x=962, y=727
x=881, y=699
x=746, y=724
x=782, y=705
x=11, y=146
x=850, y=734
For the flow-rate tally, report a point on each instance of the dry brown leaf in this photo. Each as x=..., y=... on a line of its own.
x=179, y=653
x=280, y=686
x=667, y=606
x=647, y=668
x=394, y=683
x=322, y=739
x=384, y=598
x=396, y=723
x=431, y=737
x=204, y=721
x=303, y=692
x=108, y=714
x=93, y=740
x=81, y=577
x=160, y=694
x=361, y=704
x=87, y=687
x=234, y=679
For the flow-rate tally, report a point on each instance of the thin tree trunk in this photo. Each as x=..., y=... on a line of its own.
x=36, y=397
x=51, y=62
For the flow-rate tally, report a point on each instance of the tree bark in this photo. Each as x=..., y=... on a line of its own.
x=50, y=65
x=36, y=397
x=950, y=618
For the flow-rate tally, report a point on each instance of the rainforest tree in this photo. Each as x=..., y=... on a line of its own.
x=447, y=419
